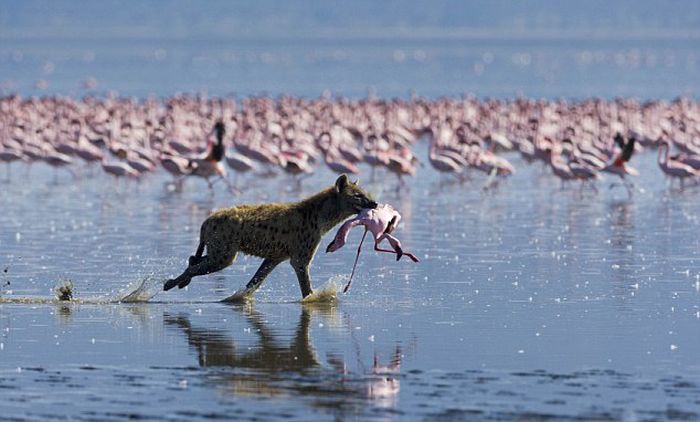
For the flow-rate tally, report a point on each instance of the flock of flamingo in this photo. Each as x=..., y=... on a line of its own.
x=195, y=136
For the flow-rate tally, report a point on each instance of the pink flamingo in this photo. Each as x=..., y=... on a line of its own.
x=119, y=169
x=381, y=221
x=559, y=168
x=8, y=156
x=239, y=162
x=444, y=163
x=401, y=166
x=177, y=166
x=340, y=165
x=584, y=173
x=674, y=168
x=295, y=164
x=139, y=164
x=56, y=160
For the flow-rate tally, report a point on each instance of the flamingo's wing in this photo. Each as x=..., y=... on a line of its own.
x=619, y=140
x=628, y=150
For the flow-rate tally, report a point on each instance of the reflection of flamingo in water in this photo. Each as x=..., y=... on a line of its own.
x=272, y=356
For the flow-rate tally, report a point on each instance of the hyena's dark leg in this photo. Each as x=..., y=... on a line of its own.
x=265, y=269
x=301, y=267
x=210, y=264
x=197, y=257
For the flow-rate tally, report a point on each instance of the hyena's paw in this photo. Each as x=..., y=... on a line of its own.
x=170, y=284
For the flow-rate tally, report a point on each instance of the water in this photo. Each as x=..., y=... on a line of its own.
x=486, y=48
x=529, y=302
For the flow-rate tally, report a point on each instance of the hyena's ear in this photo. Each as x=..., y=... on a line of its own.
x=341, y=183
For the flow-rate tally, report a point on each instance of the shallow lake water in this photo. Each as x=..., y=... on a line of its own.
x=530, y=302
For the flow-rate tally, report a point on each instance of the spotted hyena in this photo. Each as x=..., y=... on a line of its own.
x=275, y=232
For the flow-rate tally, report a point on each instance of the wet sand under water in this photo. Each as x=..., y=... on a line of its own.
x=529, y=302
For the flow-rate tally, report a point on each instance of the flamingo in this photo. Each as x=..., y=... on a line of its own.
x=56, y=160
x=239, y=162
x=584, y=173
x=9, y=156
x=619, y=165
x=119, y=169
x=381, y=221
x=559, y=168
x=445, y=163
x=340, y=165
x=295, y=164
x=210, y=165
x=177, y=166
x=673, y=168
x=400, y=166
x=692, y=160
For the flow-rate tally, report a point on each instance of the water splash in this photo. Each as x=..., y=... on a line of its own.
x=243, y=294
x=328, y=292
x=64, y=290
x=140, y=291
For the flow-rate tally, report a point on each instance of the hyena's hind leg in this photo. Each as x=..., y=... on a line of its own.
x=211, y=263
x=197, y=257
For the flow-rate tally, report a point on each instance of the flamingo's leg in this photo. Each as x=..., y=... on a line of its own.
x=359, y=248
x=396, y=244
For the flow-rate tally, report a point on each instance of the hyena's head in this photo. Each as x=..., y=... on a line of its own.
x=352, y=199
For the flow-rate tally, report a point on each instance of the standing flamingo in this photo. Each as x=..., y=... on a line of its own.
x=211, y=164
x=338, y=164
x=673, y=168
x=444, y=163
x=119, y=169
x=8, y=156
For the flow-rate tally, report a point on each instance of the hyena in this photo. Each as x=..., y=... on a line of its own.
x=274, y=232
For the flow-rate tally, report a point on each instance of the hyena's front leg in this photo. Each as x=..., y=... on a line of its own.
x=301, y=267
x=265, y=269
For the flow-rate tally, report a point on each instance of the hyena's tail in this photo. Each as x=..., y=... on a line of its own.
x=197, y=257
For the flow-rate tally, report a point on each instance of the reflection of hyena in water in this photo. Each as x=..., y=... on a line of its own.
x=275, y=232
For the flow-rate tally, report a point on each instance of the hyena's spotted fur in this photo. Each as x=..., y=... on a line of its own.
x=275, y=232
